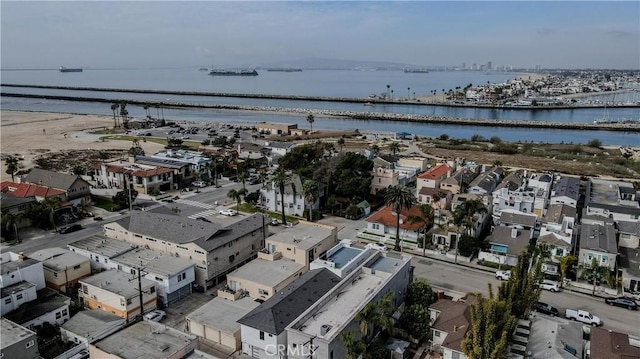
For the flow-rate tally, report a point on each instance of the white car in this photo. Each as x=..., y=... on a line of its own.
x=379, y=246
x=155, y=315
x=550, y=285
x=503, y=274
x=199, y=184
x=228, y=212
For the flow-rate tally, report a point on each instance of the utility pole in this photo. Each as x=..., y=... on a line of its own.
x=140, y=292
x=129, y=190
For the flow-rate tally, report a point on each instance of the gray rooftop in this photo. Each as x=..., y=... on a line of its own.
x=89, y=323
x=508, y=217
x=153, y=261
x=161, y=162
x=284, y=307
x=556, y=212
x=597, y=237
x=629, y=227
x=8, y=267
x=502, y=235
x=513, y=181
x=550, y=335
x=11, y=333
x=52, y=179
x=616, y=208
x=100, y=244
x=8, y=201
x=302, y=235
x=604, y=191
x=123, y=284
x=181, y=230
x=146, y=339
x=267, y=273
x=223, y=314
x=38, y=307
x=567, y=187
x=17, y=287
x=58, y=258
x=630, y=260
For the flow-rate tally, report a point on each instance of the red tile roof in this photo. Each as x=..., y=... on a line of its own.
x=138, y=172
x=439, y=171
x=25, y=190
x=388, y=218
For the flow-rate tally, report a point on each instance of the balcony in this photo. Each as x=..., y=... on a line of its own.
x=264, y=254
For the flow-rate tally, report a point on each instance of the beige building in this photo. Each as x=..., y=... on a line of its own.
x=276, y=128
x=62, y=268
x=383, y=178
x=214, y=248
x=302, y=243
x=263, y=277
x=420, y=163
x=118, y=293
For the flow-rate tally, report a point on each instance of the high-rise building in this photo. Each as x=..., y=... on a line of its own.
x=489, y=65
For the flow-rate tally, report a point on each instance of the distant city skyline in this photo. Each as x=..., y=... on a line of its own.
x=598, y=35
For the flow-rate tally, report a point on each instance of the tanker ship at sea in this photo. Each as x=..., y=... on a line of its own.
x=69, y=69
x=233, y=72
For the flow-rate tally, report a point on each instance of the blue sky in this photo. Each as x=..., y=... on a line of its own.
x=158, y=34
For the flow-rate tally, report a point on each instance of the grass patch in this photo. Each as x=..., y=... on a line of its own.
x=103, y=203
x=106, y=131
x=250, y=208
x=161, y=141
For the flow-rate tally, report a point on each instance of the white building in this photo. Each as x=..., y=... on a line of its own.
x=87, y=326
x=17, y=341
x=20, y=280
x=342, y=259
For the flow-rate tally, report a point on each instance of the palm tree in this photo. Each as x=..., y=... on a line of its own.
x=388, y=87
x=124, y=114
x=242, y=177
x=375, y=149
x=398, y=198
x=146, y=109
x=311, y=120
x=392, y=94
x=114, y=107
x=12, y=166
x=52, y=204
x=310, y=192
x=366, y=317
x=341, y=143
x=394, y=147
x=408, y=93
x=84, y=205
x=426, y=216
x=353, y=346
x=11, y=220
x=464, y=215
x=565, y=263
x=595, y=272
x=281, y=178
x=235, y=195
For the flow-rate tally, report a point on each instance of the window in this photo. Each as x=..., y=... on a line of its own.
x=7, y=301
x=58, y=315
x=152, y=290
x=133, y=271
x=604, y=259
x=78, y=266
x=65, y=312
x=19, y=296
x=263, y=292
x=559, y=252
x=232, y=258
x=30, y=344
x=84, y=289
x=436, y=333
x=119, y=266
x=261, y=335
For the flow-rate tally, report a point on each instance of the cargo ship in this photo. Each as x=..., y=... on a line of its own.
x=416, y=71
x=284, y=70
x=69, y=69
x=240, y=72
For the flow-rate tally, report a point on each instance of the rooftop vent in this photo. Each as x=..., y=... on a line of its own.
x=324, y=329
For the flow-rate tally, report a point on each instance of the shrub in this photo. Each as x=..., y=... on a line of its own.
x=595, y=143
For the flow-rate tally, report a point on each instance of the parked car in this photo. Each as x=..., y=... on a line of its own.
x=503, y=274
x=199, y=184
x=274, y=222
x=155, y=315
x=623, y=302
x=545, y=308
x=71, y=228
x=550, y=285
x=228, y=212
x=97, y=218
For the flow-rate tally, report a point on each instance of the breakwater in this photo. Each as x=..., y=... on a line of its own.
x=399, y=101
x=630, y=126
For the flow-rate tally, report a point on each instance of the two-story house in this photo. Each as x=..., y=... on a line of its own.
x=433, y=177
x=383, y=178
x=383, y=225
x=20, y=279
x=600, y=243
x=62, y=268
x=294, y=202
x=566, y=190
x=450, y=321
x=303, y=242
x=17, y=341
x=144, y=179
x=505, y=244
x=460, y=180
x=486, y=181
x=76, y=189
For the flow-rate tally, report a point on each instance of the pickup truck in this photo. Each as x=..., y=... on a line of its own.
x=582, y=316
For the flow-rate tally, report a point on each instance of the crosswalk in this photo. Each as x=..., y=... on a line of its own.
x=209, y=209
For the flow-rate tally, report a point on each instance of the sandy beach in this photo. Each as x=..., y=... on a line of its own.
x=29, y=134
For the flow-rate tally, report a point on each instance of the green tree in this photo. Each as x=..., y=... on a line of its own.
x=235, y=195
x=11, y=221
x=114, y=107
x=595, y=272
x=51, y=205
x=595, y=143
x=281, y=178
x=311, y=120
x=394, y=147
x=84, y=205
x=521, y=291
x=375, y=149
x=341, y=143
x=464, y=216
x=12, y=166
x=242, y=177
x=367, y=317
x=419, y=292
x=491, y=326
x=353, y=346
x=415, y=320
x=565, y=263
x=121, y=199
x=310, y=192
x=398, y=198
x=426, y=217
x=124, y=114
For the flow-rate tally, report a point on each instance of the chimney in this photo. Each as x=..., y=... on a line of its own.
x=514, y=232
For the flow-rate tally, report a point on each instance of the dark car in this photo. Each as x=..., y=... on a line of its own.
x=545, y=308
x=71, y=228
x=203, y=219
x=622, y=302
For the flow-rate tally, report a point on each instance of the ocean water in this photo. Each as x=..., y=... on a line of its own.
x=326, y=83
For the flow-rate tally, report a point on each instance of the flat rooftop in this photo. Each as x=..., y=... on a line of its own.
x=605, y=192
x=11, y=333
x=17, y=287
x=223, y=314
x=124, y=284
x=8, y=267
x=302, y=235
x=65, y=260
x=102, y=245
x=145, y=340
x=265, y=272
x=550, y=335
x=343, y=256
x=153, y=261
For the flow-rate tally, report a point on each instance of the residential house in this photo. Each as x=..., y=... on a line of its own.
x=559, y=213
x=553, y=338
x=419, y=163
x=266, y=325
x=511, y=218
x=383, y=224
x=17, y=206
x=449, y=322
x=320, y=326
x=276, y=128
x=196, y=162
x=254, y=153
x=76, y=189
x=605, y=343
x=17, y=341
x=383, y=178
x=181, y=171
x=599, y=242
x=630, y=267
x=30, y=191
x=264, y=276
x=479, y=221
x=459, y=180
x=294, y=202
x=433, y=176
x=100, y=250
x=118, y=293
x=438, y=198
x=62, y=268
x=486, y=181
x=515, y=193
x=566, y=190
x=217, y=321
x=20, y=279
x=144, y=179
x=444, y=238
x=87, y=326
x=629, y=233
x=279, y=148
x=505, y=244
x=303, y=242
x=145, y=339
x=386, y=161
x=50, y=307
x=558, y=248
x=214, y=248
x=343, y=259
x=612, y=199
x=173, y=276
